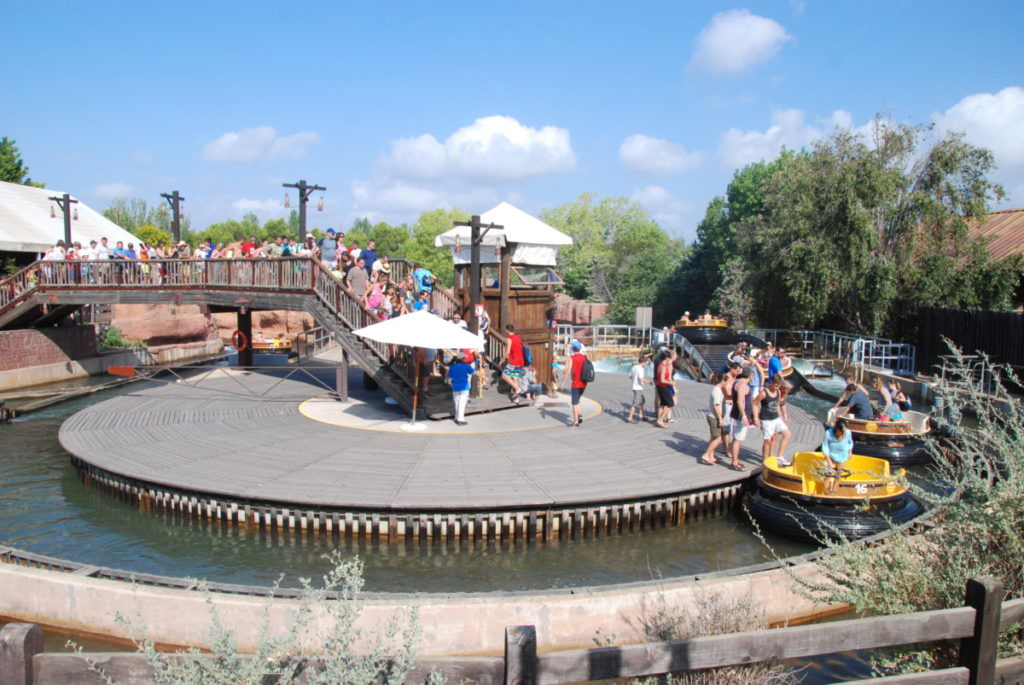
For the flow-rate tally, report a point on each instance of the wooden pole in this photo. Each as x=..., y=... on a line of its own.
x=416, y=385
x=244, y=320
x=19, y=642
x=520, y=655
x=978, y=652
x=504, y=275
x=341, y=377
x=474, y=273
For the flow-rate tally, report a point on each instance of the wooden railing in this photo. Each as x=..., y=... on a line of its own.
x=287, y=274
x=977, y=626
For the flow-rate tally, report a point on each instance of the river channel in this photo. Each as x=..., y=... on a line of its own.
x=46, y=509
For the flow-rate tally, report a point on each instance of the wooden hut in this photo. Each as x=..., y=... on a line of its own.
x=518, y=277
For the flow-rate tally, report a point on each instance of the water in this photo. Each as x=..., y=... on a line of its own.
x=44, y=508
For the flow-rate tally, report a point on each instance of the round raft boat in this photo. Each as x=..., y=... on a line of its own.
x=792, y=500
x=702, y=331
x=901, y=443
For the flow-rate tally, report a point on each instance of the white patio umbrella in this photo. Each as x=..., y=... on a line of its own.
x=421, y=329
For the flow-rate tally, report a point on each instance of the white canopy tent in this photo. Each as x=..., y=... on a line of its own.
x=534, y=242
x=420, y=329
x=26, y=224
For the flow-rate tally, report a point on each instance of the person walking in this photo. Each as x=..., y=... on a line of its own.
x=578, y=385
x=637, y=379
x=774, y=416
x=459, y=374
x=717, y=427
x=666, y=388
x=740, y=418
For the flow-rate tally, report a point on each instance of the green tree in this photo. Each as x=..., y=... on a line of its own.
x=419, y=249
x=133, y=213
x=852, y=234
x=619, y=255
x=129, y=213
x=273, y=228
x=391, y=240
x=12, y=168
x=722, y=233
x=152, y=235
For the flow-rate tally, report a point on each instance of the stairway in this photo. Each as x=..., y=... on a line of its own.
x=42, y=294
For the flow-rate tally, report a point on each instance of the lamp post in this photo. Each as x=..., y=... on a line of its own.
x=174, y=199
x=305, y=190
x=475, y=238
x=65, y=201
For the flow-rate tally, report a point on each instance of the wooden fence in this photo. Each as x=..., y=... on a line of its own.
x=998, y=334
x=976, y=625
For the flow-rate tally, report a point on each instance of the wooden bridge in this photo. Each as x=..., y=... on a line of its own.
x=45, y=292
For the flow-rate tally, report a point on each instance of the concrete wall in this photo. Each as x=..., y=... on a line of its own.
x=12, y=379
x=451, y=624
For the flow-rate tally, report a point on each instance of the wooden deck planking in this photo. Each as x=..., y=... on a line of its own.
x=209, y=441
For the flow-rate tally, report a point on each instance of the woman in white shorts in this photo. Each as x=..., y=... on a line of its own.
x=774, y=415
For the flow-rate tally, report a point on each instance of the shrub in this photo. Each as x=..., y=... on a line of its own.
x=322, y=644
x=713, y=613
x=114, y=339
x=974, y=529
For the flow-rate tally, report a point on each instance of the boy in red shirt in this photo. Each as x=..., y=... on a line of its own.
x=577, y=386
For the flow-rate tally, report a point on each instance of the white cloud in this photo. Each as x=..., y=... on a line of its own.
x=295, y=146
x=398, y=198
x=251, y=145
x=664, y=208
x=403, y=201
x=416, y=158
x=272, y=208
x=736, y=40
x=992, y=121
x=109, y=191
x=494, y=147
x=655, y=156
x=788, y=129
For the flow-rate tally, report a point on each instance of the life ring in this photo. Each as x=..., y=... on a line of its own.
x=239, y=340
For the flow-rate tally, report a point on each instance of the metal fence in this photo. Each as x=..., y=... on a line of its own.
x=857, y=350
x=606, y=336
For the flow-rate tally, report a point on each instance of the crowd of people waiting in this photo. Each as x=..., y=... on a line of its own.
x=364, y=273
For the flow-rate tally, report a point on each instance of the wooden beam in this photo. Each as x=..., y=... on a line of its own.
x=978, y=651
x=753, y=646
x=520, y=655
x=19, y=643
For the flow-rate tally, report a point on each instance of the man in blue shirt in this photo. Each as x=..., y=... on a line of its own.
x=369, y=255
x=459, y=375
x=424, y=279
x=774, y=364
x=328, y=247
x=422, y=301
x=857, y=404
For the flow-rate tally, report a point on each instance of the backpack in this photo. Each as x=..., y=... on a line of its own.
x=587, y=373
x=527, y=355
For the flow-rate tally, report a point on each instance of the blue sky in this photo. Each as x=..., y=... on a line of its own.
x=401, y=107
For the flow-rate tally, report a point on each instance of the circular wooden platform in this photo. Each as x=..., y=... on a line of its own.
x=220, y=452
